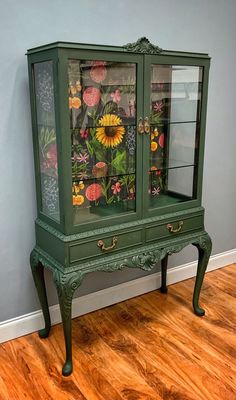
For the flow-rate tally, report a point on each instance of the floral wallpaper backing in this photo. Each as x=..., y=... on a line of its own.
x=102, y=104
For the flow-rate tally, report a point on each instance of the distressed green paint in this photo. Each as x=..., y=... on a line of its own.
x=70, y=252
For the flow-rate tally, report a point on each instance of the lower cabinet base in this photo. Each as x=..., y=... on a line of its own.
x=68, y=279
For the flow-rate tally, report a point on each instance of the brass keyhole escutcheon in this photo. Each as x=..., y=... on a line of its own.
x=103, y=247
x=171, y=229
x=140, y=126
x=146, y=125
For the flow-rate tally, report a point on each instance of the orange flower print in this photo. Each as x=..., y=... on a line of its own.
x=154, y=146
x=78, y=86
x=74, y=102
x=78, y=200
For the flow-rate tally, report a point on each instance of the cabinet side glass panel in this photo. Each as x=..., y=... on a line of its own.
x=47, y=143
x=102, y=107
x=174, y=133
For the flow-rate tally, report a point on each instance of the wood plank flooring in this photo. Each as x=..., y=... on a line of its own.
x=147, y=348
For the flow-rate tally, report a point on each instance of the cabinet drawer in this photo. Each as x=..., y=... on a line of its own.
x=108, y=244
x=173, y=228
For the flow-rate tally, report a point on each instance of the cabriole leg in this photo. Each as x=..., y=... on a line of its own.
x=38, y=275
x=66, y=284
x=204, y=246
x=164, y=263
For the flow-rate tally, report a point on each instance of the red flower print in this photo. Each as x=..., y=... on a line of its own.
x=91, y=96
x=116, y=96
x=93, y=192
x=100, y=169
x=84, y=133
x=116, y=188
x=161, y=140
x=98, y=71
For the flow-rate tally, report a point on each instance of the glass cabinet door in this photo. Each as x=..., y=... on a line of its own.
x=102, y=108
x=175, y=97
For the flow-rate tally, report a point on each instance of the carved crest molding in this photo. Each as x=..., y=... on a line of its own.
x=143, y=45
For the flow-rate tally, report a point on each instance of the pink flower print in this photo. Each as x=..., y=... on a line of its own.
x=91, y=96
x=52, y=156
x=156, y=191
x=98, y=74
x=82, y=157
x=98, y=71
x=158, y=106
x=116, y=188
x=116, y=96
x=93, y=192
x=161, y=140
x=84, y=133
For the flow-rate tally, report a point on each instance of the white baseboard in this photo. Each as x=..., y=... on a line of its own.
x=31, y=322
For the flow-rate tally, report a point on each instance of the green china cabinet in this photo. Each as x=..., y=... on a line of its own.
x=118, y=146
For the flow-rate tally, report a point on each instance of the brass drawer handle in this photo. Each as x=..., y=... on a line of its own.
x=140, y=125
x=146, y=125
x=101, y=244
x=171, y=228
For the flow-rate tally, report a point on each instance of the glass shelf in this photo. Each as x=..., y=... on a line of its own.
x=83, y=127
x=104, y=177
x=165, y=199
x=94, y=213
x=172, y=164
x=166, y=121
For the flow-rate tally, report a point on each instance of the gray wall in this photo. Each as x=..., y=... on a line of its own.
x=187, y=25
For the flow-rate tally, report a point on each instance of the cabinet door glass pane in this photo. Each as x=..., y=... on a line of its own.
x=47, y=144
x=102, y=106
x=174, y=128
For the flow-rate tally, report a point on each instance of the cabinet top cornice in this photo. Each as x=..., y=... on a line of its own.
x=141, y=46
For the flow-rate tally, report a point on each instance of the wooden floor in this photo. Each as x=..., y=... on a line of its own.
x=150, y=347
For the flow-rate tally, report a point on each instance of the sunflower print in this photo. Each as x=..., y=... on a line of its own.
x=111, y=132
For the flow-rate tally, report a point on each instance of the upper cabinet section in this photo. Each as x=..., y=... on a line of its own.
x=118, y=132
